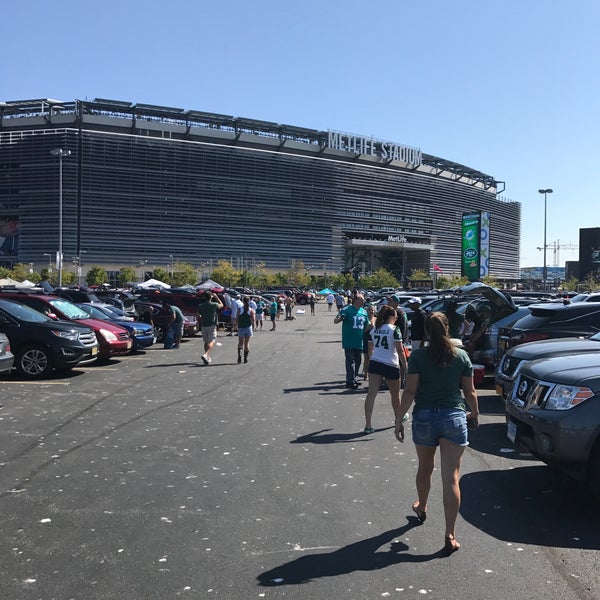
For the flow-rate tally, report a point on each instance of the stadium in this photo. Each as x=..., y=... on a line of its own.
x=116, y=184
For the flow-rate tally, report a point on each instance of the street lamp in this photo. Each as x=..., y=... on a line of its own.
x=49, y=255
x=61, y=153
x=545, y=269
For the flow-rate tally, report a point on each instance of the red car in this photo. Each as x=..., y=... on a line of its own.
x=112, y=339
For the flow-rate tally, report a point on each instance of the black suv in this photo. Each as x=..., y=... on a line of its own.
x=41, y=344
x=553, y=410
x=550, y=321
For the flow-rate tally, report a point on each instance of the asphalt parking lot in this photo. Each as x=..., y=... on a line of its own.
x=155, y=478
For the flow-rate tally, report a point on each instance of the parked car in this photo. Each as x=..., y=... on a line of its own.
x=142, y=334
x=7, y=358
x=551, y=321
x=553, y=410
x=160, y=322
x=517, y=356
x=590, y=297
x=41, y=344
x=113, y=340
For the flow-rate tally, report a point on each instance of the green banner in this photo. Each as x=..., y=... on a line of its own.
x=470, y=256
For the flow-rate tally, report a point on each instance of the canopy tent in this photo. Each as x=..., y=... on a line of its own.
x=211, y=285
x=326, y=292
x=153, y=283
x=8, y=282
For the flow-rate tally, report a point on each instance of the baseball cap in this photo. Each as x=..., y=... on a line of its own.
x=394, y=298
x=414, y=300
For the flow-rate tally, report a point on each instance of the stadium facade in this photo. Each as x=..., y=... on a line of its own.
x=144, y=185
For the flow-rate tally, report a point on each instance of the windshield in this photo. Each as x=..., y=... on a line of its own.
x=579, y=298
x=69, y=309
x=24, y=313
x=94, y=312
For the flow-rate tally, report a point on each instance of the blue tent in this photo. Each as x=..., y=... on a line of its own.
x=326, y=292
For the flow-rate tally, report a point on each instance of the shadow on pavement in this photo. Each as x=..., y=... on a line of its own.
x=490, y=438
x=531, y=505
x=319, y=437
x=360, y=556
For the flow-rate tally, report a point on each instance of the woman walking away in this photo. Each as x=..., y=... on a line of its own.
x=436, y=375
x=246, y=318
x=386, y=354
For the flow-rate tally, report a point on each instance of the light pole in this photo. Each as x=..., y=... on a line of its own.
x=61, y=153
x=545, y=268
x=49, y=255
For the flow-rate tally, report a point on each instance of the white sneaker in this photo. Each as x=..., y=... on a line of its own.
x=209, y=359
x=205, y=359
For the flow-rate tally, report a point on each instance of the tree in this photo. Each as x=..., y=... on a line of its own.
x=225, y=274
x=126, y=275
x=449, y=281
x=419, y=275
x=183, y=274
x=95, y=276
x=161, y=274
x=378, y=279
x=570, y=285
x=20, y=272
x=489, y=280
x=297, y=275
x=69, y=278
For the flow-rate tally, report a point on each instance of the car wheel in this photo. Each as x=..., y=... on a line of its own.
x=34, y=361
x=593, y=474
x=302, y=301
x=159, y=332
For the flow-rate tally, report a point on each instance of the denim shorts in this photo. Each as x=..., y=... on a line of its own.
x=431, y=424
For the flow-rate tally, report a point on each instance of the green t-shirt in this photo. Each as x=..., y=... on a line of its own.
x=209, y=311
x=439, y=387
x=353, y=325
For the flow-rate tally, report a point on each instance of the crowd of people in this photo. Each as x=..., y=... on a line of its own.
x=432, y=372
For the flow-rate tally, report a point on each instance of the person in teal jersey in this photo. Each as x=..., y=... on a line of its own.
x=273, y=310
x=438, y=376
x=353, y=318
x=259, y=314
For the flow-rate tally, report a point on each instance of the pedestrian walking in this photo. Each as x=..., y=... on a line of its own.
x=417, y=323
x=386, y=361
x=330, y=299
x=312, y=301
x=437, y=374
x=353, y=318
x=209, y=321
x=273, y=311
x=371, y=318
x=246, y=318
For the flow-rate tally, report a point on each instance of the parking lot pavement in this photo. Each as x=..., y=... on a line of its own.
x=155, y=477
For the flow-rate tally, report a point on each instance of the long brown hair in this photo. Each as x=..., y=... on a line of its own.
x=440, y=348
x=384, y=315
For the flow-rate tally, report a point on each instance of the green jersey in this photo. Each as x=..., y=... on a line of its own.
x=353, y=324
x=439, y=387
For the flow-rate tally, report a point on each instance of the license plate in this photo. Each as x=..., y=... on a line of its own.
x=94, y=351
x=511, y=431
x=129, y=344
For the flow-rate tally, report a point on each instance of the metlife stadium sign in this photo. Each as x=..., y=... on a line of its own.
x=475, y=261
x=348, y=142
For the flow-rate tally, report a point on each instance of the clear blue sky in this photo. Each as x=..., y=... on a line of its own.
x=508, y=87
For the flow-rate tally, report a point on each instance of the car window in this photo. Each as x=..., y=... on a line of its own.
x=69, y=309
x=24, y=313
x=94, y=312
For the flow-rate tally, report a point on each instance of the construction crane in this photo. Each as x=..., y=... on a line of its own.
x=556, y=248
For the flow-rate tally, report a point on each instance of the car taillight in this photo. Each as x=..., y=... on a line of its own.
x=532, y=336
